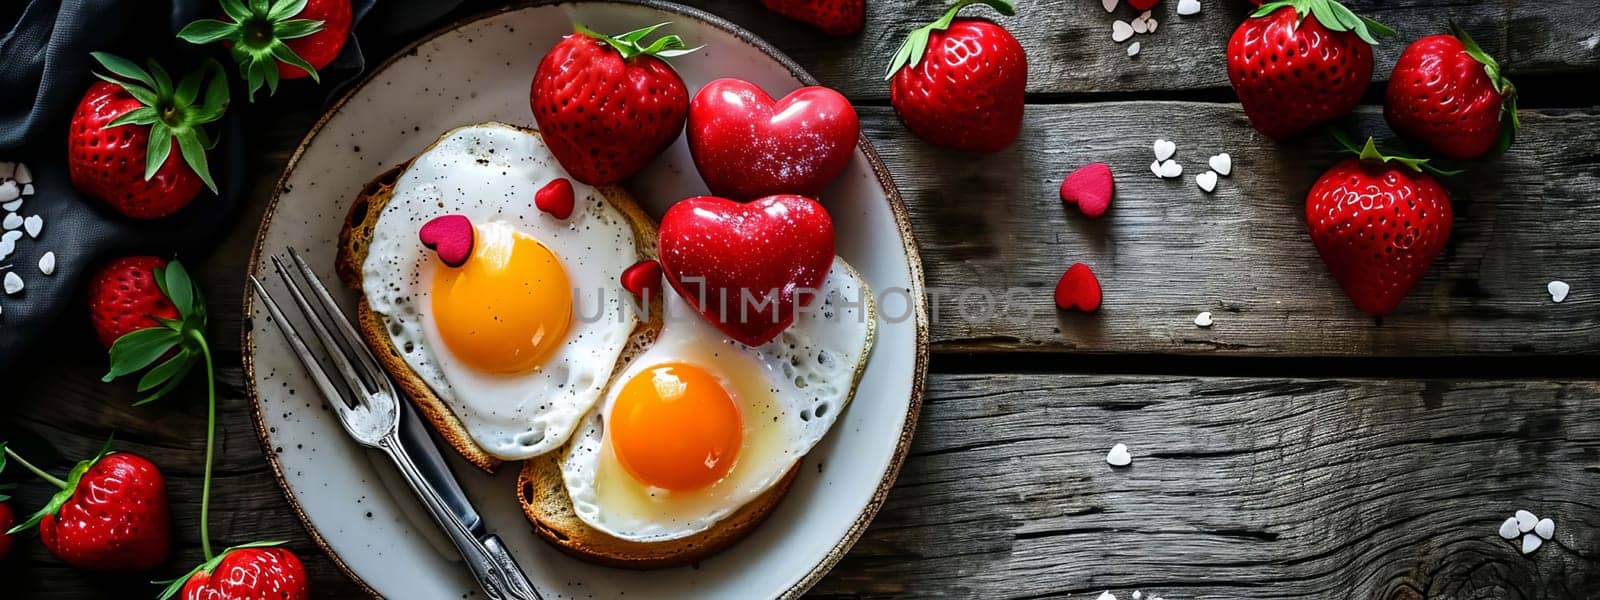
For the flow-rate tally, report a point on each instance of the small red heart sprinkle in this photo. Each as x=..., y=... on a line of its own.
x=450, y=236
x=1090, y=187
x=1078, y=289
x=555, y=198
x=644, y=277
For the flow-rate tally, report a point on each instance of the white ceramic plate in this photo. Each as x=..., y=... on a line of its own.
x=480, y=70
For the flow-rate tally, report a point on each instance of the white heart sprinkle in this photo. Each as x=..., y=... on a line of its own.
x=1133, y=49
x=1145, y=16
x=1508, y=529
x=11, y=236
x=1152, y=25
x=1188, y=7
x=1222, y=164
x=1109, y=5
x=1141, y=26
x=1171, y=169
x=1164, y=150
x=27, y=189
x=1155, y=168
x=1558, y=290
x=1526, y=521
x=32, y=225
x=1530, y=543
x=7, y=169
x=1118, y=456
x=12, y=221
x=47, y=263
x=1121, y=31
x=1107, y=596
x=23, y=175
x=13, y=283
x=1545, y=528
x=1137, y=595
x=12, y=206
x=7, y=247
x=1203, y=320
x=1207, y=181
x=9, y=191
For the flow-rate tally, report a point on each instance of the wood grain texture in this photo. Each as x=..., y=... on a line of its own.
x=1239, y=488
x=995, y=238
x=1070, y=51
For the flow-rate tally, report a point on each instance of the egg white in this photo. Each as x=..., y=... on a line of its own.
x=790, y=391
x=489, y=173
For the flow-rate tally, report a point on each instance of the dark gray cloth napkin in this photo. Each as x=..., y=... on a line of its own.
x=45, y=67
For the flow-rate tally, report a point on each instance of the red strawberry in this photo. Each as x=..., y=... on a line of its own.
x=248, y=572
x=1450, y=94
x=833, y=17
x=273, y=40
x=118, y=524
x=1078, y=289
x=1378, y=222
x=124, y=297
x=1143, y=4
x=124, y=152
x=1294, y=71
x=608, y=105
x=7, y=520
x=966, y=90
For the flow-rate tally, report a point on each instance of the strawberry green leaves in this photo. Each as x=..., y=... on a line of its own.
x=175, y=113
x=1371, y=152
x=916, y=44
x=1333, y=16
x=65, y=488
x=174, y=585
x=181, y=341
x=1509, y=121
x=255, y=34
x=4, y=487
x=630, y=44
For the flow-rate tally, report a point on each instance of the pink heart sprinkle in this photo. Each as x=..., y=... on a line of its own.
x=450, y=236
x=1090, y=187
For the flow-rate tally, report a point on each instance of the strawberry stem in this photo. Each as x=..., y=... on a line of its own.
x=630, y=44
x=211, y=442
x=1333, y=16
x=56, y=481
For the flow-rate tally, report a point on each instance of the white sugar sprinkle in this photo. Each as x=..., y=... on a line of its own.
x=1188, y=7
x=1558, y=290
x=1121, y=31
x=1109, y=5
x=1207, y=181
x=11, y=236
x=1545, y=528
x=1141, y=26
x=1107, y=596
x=1526, y=521
x=1152, y=26
x=1118, y=456
x=1145, y=16
x=27, y=189
x=1508, y=528
x=47, y=263
x=1133, y=49
x=1137, y=595
x=12, y=221
x=7, y=246
x=1203, y=319
x=9, y=190
x=33, y=224
x=12, y=206
x=1164, y=149
x=1531, y=542
x=1222, y=164
x=13, y=283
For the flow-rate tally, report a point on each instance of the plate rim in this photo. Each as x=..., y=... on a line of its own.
x=897, y=208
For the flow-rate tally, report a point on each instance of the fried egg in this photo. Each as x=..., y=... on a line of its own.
x=521, y=339
x=698, y=425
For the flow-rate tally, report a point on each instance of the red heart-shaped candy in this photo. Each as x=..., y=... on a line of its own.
x=1090, y=187
x=450, y=236
x=1078, y=289
x=747, y=146
x=744, y=266
x=555, y=198
x=643, y=279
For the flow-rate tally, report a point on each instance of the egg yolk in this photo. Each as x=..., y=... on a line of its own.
x=508, y=308
x=674, y=426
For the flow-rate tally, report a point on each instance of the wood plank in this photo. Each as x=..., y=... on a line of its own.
x=1239, y=488
x=1070, y=49
x=992, y=226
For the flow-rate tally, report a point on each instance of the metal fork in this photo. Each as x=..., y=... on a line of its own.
x=371, y=411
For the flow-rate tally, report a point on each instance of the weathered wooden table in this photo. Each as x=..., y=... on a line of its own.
x=1294, y=449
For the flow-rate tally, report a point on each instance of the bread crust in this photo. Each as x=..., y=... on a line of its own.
x=354, y=240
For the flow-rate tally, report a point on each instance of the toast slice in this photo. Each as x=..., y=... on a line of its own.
x=542, y=489
x=354, y=240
